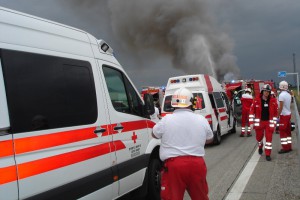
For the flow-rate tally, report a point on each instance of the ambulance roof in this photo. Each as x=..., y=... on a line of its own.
x=197, y=82
x=42, y=34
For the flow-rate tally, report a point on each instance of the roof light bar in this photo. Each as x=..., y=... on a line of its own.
x=194, y=79
x=175, y=81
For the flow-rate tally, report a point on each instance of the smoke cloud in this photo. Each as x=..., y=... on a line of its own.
x=184, y=31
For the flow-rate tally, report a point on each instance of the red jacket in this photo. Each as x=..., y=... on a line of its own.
x=255, y=112
x=246, y=102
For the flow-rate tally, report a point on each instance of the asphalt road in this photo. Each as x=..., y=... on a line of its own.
x=224, y=163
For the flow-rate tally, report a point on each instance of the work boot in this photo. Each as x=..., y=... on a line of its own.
x=268, y=158
x=260, y=151
x=283, y=151
x=249, y=135
x=242, y=135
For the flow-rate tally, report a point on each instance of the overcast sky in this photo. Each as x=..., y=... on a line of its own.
x=157, y=39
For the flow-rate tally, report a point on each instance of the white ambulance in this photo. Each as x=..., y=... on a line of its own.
x=72, y=125
x=210, y=100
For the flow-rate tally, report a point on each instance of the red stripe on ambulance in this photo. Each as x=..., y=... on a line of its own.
x=208, y=83
x=128, y=126
x=8, y=174
x=36, y=167
x=223, y=118
x=222, y=110
x=6, y=148
x=34, y=143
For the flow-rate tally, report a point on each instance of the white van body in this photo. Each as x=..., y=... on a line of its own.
x=211, y=101
x=72, y=125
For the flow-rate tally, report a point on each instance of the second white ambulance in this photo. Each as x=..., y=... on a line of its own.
x=210, y=101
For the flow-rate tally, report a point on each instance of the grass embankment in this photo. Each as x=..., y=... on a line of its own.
x=297, y=97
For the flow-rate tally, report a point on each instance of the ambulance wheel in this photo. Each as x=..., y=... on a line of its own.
x=217, y=137
x=154, y=179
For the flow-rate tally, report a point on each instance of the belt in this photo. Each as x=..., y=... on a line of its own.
x=184, y=157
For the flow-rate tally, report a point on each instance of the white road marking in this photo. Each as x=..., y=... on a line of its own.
x=237, y=190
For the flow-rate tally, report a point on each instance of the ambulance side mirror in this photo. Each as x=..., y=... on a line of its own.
x=149, y=104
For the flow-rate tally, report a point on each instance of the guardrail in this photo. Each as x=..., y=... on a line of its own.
x=297, y=123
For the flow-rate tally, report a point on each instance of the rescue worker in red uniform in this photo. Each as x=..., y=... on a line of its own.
x=284, y=113
x=183, y=137
x=246, y=100
x=263, y=115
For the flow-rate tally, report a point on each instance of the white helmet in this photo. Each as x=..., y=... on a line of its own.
x=266, y=87
x=182, y=98
x=248, y=90
x=283, y=85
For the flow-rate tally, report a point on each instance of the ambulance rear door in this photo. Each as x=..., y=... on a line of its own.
x=229, y=110
x=8, y=170
x=221, y=112
x=237, y=106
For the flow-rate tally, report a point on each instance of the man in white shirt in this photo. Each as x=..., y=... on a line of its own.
x=247, y=101
x=156, y=116
x=284, y=112
x=183, y=136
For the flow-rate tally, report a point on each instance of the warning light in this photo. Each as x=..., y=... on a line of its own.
x=175, y=81
x=194, y=79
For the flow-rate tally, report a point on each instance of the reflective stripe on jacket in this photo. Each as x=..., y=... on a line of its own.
x=255, y=112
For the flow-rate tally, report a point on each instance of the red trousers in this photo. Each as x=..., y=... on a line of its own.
x=264, y=129
x=245, y=122
x=184, y=173
x=285, y=132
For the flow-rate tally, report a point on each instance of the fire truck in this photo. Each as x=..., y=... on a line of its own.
x=156, y=92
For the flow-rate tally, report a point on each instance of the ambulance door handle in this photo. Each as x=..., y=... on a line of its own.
x=118, y=127
x=102, y=130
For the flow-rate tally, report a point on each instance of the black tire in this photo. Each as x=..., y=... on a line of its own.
x=154, y=179
x=233, y=130
x=217, y=137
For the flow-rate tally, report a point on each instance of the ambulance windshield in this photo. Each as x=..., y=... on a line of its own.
x=198, y=102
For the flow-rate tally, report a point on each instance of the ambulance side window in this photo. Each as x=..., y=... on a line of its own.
x=211, y=98
x=198, y=101
x=218, y=99
x=136, y=105
x=167, y=104
x=212, y=101
x=46, y=92
x=122, y=94
x=226, y=100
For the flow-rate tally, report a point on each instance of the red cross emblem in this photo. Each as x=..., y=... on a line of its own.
x=134, y=137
